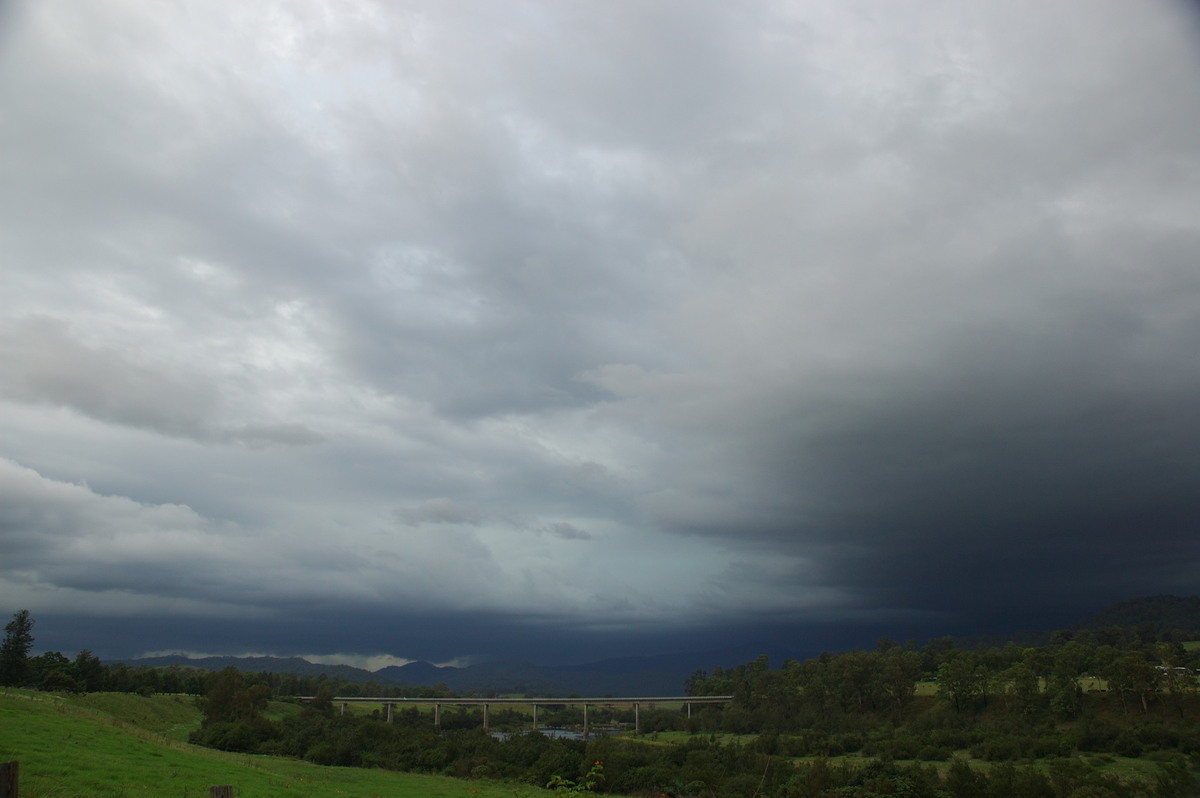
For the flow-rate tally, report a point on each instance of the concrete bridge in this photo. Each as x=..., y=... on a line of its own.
x=438, y=703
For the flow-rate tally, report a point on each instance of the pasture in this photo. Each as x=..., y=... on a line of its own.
x=109, y=745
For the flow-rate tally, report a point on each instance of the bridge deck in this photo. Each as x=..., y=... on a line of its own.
x=539, y=700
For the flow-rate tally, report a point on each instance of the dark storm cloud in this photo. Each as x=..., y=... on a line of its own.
x=615, y=324
x=1020, y=477
x=1041, y=459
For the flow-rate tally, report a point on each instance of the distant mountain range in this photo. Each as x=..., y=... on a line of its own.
x=661, y=675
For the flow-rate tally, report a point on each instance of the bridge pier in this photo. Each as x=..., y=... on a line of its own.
x=390, y=717
x=437, y=716
x=637, y=719
x=485, y=717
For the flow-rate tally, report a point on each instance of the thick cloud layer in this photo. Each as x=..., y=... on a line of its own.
x=464, y=329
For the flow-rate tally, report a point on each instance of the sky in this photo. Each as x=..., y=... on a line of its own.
x=458, y=330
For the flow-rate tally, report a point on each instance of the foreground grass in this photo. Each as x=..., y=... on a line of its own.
x=109, y=745
x=171, y=716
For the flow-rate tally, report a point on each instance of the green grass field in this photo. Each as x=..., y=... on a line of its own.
x=128, y=746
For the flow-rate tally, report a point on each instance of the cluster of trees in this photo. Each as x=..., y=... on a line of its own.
x=291, y=684
x=1139, y=672
x=235, y=720
x=1105, y=693
x=85, y=673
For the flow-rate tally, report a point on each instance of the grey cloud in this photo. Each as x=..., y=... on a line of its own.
x=97, y=549
x=442, y=511
x=847, y=315
x=256, y=435
x=45, y=363
x=66, y=535
x=566, y=531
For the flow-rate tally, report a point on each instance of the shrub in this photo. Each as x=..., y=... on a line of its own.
x=1050, y=745
x=1126, y=744
x=932, y=753
x=905, y=748
x=954, y=739
x=1096, y=735
x=1158, y=737
x=1003, y=748
x=851, y=742
x=229, y=736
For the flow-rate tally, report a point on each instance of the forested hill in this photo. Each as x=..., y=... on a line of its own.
x=1160, y=613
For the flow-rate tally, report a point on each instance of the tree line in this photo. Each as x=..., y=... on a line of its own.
x=1108, y=692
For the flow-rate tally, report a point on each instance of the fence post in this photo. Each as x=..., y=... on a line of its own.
x=224, y=791
x=8, y=779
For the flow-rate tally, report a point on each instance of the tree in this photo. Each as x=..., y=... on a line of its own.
x=962, y=781
x=227, y=698
x=1066, y=696
x=856, y=674
x=963, y=681
x=1177, y=679
x=1131, y=675
x=233, y=719
x=50, y=671
x=88, y=671
x=14, y=653
x=820, y=688
x=1070, y=661
x=1020, y=685
x=899, y=671
x=693, y=683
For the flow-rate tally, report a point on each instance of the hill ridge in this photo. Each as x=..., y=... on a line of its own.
x=1164, y=612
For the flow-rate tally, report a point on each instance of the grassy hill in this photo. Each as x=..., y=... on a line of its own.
x=109, y=744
